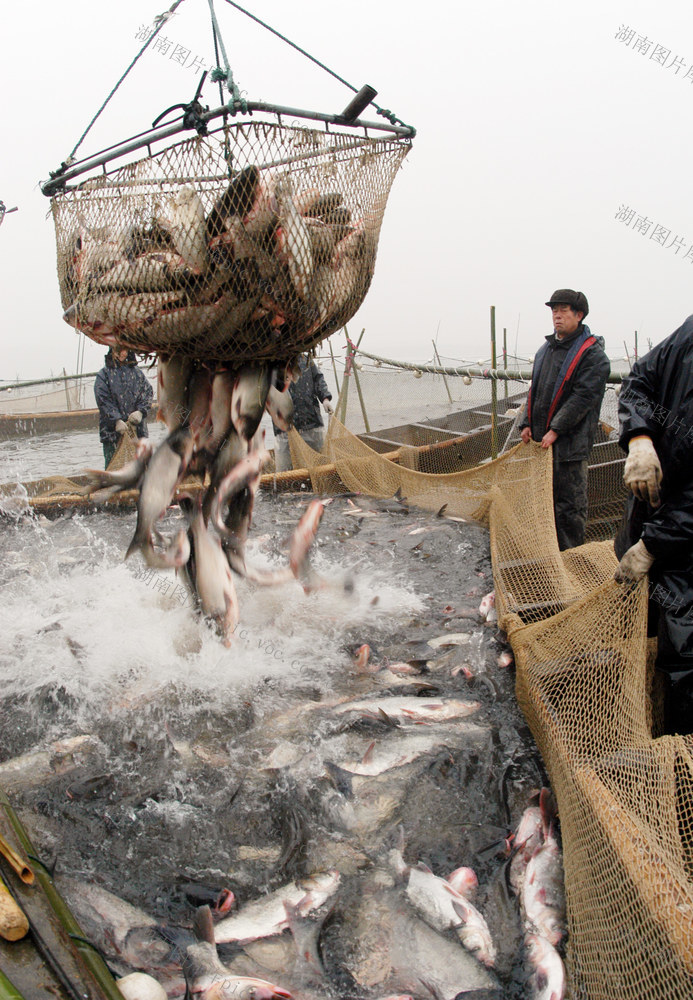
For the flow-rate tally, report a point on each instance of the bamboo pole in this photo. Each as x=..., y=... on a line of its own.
x=437, y=357
x=13, y=922
x=494, y=389
x=8, y=991
x=91, y=959
x=334, y=368
x=358, y=384
x=25, y=873
x=505, y=357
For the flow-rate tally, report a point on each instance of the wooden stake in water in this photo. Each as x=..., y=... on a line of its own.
x=437, y=357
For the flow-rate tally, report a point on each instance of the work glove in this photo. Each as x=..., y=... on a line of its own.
x=121, y=426
x=327, y=406
x=643, y=472
x=634, y=565
x=135, y=417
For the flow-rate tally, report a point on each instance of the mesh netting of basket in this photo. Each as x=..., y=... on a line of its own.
x=252, y=243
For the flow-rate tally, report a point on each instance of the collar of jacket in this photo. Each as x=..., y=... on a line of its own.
x=576, y=345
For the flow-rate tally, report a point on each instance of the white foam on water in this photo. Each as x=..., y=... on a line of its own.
x=115, y=636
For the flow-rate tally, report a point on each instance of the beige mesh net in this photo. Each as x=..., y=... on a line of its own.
x=584, y=682
x=253, y=243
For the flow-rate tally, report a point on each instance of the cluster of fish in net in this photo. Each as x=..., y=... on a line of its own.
x=183, y=253
x=213, y=419
x=227, y=273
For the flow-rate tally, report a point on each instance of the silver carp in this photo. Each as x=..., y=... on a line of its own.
x=415, y=710
x=280, y=407
x=232, y=450
x=173, y=376
x=444, y=908
x=213, y=580
x=220, y=408
x=154, y=272
x=543, y=895
x=548, y=980
x=119, y=930
x=267, y=916
x=37, y=767
x=244, y=473
x=209, y=979
x=528, y=838
x=188, y=229
x=294, y=246
x=165, y=470
x=388, y=947
x=248, y=398
x=104, y=484
x=301, y=541
x=390, y=754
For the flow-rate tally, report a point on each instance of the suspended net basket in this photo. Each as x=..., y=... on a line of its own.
x=253, y=242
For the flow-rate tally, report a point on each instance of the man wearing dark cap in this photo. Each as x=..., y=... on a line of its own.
x=562, y=409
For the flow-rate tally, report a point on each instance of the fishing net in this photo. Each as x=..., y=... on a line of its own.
x=252, y=243
x=584, y=682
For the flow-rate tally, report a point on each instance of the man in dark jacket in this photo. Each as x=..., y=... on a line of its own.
x=656, y=423
x=307, y=393
x=562, y=409
x=123, y=396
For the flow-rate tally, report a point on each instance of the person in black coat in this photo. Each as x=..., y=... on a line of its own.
x=308, y=392
x=656, y=430
x=123, y=396
x=562, y=410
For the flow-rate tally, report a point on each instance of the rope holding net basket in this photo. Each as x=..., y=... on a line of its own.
x=252, y=243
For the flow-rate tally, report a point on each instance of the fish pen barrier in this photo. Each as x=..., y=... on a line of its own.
x=584, y=683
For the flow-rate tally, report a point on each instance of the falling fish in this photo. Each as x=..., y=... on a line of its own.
x=213, y=580
x=301, y=541
x=238, y=478
x=103, y=484
x=165, y=470
x=248, y=398
x=173, y=375
x=280, y=407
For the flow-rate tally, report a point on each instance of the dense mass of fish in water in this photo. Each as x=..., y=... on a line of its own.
x=268, y=272
x=361, y=830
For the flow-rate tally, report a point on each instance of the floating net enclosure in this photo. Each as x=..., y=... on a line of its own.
x=254, y=242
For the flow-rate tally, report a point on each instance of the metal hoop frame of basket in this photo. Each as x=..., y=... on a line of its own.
x=253, y=242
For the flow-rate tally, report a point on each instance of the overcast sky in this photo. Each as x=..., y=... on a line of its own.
x=538, y=124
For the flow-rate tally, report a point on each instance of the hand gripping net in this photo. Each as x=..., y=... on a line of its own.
x=253, y=243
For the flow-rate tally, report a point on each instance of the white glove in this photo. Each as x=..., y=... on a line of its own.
x=643, y=472
x=121, y=426
x=327, y=406
x=135, y=417
x=634, y=565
